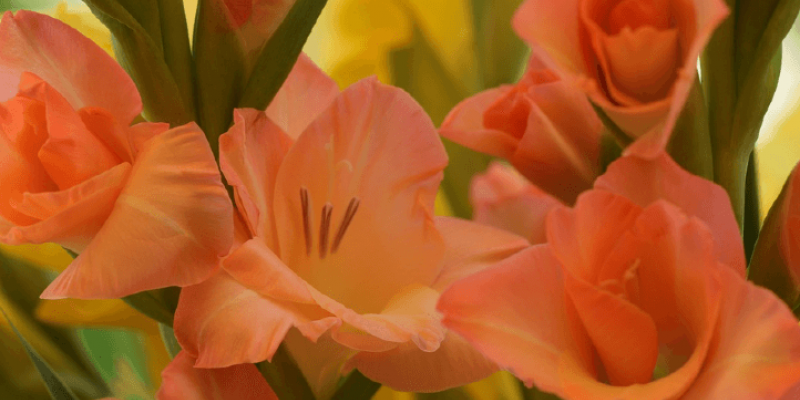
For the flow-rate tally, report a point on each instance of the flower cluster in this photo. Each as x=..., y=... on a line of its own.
x=604, y=259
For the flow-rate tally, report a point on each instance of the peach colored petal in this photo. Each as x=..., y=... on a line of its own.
x=223, y=323
x=408, y=369
x=173, y=217
x=471, y=247
x=305, y=94
x=756, y=350
x=71, y=154
x=502, y=198
x=465, y=125
x=790, y=226
x=583, y=237
x=124, y=141
x=525, y=324
x=536, y=21
x=645, y=181
x=560, y=148
x=70, y=217
x=251, y=153
x=76, y=67
x=376, y=146
x=181, y=381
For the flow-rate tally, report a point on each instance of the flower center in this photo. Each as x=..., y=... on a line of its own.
x=638, y=13
x=325, y=224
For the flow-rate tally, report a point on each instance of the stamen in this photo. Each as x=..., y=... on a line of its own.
x=306, y=218
x=348, y=217
x=324, y=227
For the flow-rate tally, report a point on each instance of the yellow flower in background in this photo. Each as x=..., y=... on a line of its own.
x=80, y=18
x=353, y=39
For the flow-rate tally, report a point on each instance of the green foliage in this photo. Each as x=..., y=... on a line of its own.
x=356, y=387
x=284, y=377
x=159, y=304
x=142, y=36
x=57, y=389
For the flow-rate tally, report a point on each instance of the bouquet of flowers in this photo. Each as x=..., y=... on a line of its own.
x=574, y=202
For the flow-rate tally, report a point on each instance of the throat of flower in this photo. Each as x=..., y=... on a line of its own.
x=325, y=245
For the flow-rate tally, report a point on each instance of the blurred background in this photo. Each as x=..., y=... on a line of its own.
x=439, y=51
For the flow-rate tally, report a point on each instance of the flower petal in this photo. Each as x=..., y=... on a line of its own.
x=645, y=181
x=251, y=153
x=184, y=382
x=524, y=324
x=408, y=369
x=222, y=323
x=502, y=198
x=76, y=67
x=374, y=145
x=305, y=94
x=465, y=125
x=536, y=21
x=170, y=225
x=471, y=247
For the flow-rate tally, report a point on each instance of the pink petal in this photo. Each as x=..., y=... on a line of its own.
x=222, y=323
x=181, y=381
x=170, y=225
x=305, y=94
x=502, y=198
x=583, y=237
x=76, y=67
x=756, y=350
x=790, y=224
x=524, y=324
x=536, y=21
x=645, y=181
x=251, y=153
x=471, y=247
x=70, y=217
x=465, y=126
x=374, y=145
x=407, y=369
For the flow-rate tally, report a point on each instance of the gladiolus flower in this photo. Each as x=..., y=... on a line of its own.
x=639, y=293
x=336, y=193
x=143, y=205
x=543, y=125
x=637, y=59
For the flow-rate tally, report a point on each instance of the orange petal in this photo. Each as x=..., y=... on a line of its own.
x=407, y=369
x=76, y=67
x=181, y=381
x=304, y=95
x=465, y=125
x=71, y=154
x=756, y=350
x=583, y=237
x=251, y=153
x=170, y=225
x=524, y=323
x=502, y=198
x=536, y=21
x=645, y=181
x=374, y=145
x=471, y=247
x=222, y=323
x=790, y=224
x=70, y=217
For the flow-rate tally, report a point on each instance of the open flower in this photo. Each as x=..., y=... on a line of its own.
x=143, y=205
x=339, y=241
x=637, y=59
x=638, y=294
x=184, y=382
x=543, y=125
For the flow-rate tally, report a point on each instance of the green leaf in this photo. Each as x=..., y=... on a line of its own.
x=221, y=69
x=690, y=143
x=159, y=304
x=284, y=377
x=139, y=46
x=356, y=387
x=58, y=390
x=280, y=54
x=752, y=211
x=611, y=127
x=168, y=337
x=418, y=70
x=500, y=53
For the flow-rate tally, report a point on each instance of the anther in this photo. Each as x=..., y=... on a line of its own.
x=346, y=219
x=304, y=201
x=324, y=228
